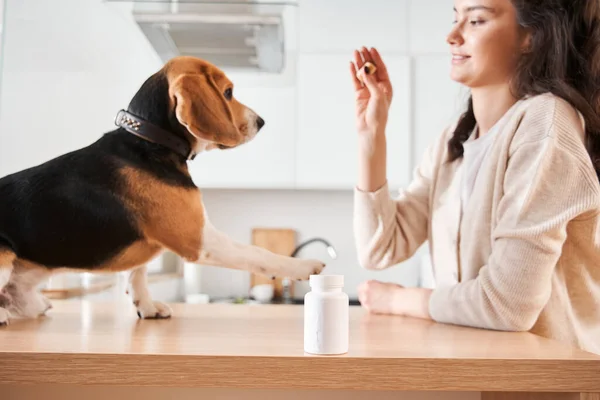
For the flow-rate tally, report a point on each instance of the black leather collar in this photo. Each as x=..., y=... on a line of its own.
x=144, y=129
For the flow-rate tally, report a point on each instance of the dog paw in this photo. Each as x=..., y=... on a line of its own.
x=152, y=310
x=303, y=269
x=30, y=304
x=47, y=305
x=4, y=316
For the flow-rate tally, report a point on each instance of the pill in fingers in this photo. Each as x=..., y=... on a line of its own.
x=368, y=68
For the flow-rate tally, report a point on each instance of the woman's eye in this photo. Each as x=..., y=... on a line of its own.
x=477, y=22
x=228, y=94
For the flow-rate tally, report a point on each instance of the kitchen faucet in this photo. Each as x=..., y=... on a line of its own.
x=286, y=282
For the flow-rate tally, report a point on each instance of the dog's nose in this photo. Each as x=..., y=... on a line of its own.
x=260, y=122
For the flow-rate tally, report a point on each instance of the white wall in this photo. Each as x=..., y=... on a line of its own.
x=2, y=5
x=69, y=66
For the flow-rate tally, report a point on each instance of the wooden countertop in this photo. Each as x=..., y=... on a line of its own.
x=261, y=346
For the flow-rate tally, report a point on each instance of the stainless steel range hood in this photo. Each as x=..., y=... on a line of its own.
x=237, y=36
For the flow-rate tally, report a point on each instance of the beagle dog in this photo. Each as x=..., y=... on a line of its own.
x=117, y=203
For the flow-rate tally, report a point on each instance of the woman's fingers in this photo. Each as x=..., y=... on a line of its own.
x=360, y=79
x=381, y=72
x=355, y=81
x=366, y=55
x=358, y=60
x=371, y=84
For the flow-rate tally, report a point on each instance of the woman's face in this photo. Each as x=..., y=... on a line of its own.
x=486, y=42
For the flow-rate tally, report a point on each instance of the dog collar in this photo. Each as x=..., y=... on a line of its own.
x=145, y=130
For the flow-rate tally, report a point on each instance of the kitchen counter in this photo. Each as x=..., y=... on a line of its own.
x=261, y=347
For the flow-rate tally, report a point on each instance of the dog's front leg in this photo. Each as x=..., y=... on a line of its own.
x=218, y=249
x=146, y=308
x=5, y=273
x=22, y=290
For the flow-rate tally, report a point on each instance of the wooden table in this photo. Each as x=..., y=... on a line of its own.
x=244, y=347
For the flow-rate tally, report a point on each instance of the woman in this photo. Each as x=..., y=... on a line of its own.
x=508, y=197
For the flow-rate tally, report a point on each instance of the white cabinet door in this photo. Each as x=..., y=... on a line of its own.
x=438, y=100
x=326, y=150
x=342, y=25
x=265, y=162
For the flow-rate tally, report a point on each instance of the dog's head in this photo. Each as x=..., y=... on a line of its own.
x=195, y=98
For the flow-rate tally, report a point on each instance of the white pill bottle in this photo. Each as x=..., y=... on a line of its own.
x=326, y=308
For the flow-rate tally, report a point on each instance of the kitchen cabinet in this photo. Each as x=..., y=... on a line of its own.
x=343, y=25
x=429, y=23
x=326, y=144
x=309, y=140
x=265, y=162
x=401, y=26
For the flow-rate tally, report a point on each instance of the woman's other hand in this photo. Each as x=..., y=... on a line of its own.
x=390, y=298
x=378, y=297
x=373, y=99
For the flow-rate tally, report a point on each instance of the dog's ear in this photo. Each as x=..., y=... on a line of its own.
x=203, y=110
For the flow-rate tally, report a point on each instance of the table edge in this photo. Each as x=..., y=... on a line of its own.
x=273, y=372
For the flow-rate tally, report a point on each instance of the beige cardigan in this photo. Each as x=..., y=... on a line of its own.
x=525, y=256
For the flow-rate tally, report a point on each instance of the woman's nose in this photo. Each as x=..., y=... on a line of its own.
x=454, y=37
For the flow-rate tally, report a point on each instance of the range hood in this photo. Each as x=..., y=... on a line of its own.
x=245, y=36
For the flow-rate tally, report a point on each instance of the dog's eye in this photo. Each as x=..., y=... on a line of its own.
x=228, y=93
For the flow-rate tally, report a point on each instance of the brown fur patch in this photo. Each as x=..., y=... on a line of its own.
x=135, y=255
x=7, y=257
x=197, y=91
x=167, y=215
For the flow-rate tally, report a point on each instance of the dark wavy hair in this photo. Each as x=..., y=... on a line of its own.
x=564, y=59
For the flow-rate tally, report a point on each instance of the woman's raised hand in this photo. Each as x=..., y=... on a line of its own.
x=373, y=99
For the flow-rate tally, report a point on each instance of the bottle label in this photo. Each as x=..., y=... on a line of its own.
x=326, y=326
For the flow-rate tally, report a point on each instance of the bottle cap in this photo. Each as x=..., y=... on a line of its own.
x=326, y=281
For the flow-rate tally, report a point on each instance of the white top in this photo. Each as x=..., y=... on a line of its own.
x=475, y=152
